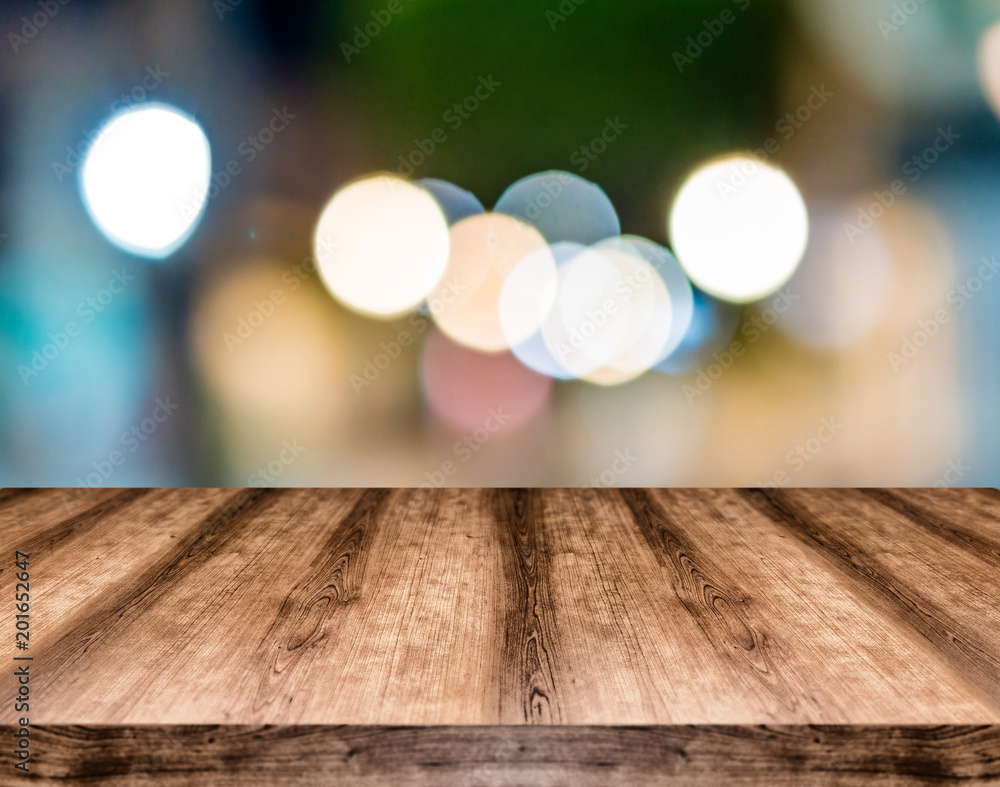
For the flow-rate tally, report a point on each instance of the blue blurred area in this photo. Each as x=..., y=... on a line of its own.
x=968, y=198
x=84, y=361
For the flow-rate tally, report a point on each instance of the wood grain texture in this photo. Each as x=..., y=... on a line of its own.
x=931, y=582
x=312, y=613
x=974, y=526
x=527, y=691
x=707, y=756
x=824, y=643
x=524, y=607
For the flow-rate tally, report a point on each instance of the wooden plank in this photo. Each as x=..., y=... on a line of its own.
x=312, y=612
x=409, y=643
x=200, y=605
x=31, y=518
x=619, y=647
x=790, y=627
x=420, y=607
x=417, y=647
x=705, y=756
x=936, y=588
x=968, y=518
x=81, y=556
x=73, y=634
x=526, y=635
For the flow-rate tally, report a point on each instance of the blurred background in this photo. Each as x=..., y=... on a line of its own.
x=229, y=362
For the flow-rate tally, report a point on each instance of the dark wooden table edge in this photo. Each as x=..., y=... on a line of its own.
x=522, y=754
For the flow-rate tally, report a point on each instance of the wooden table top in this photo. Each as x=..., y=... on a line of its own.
x=452, y=607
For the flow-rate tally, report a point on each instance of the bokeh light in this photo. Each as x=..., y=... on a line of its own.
x=713, y=324
x=526, y=300
x=642, y=294
x=562, y=206
x=456, y=203
x=739, y=228
x=263, y=348
x=589, y=319
x=907, y=53
x=145, y=180
x=382, y=245
x=669, y=270
x=989, y=66
x=484, y=251
x=894, y=334
x=467, y=389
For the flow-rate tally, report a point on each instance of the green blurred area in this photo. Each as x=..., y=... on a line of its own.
x=564, y=71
